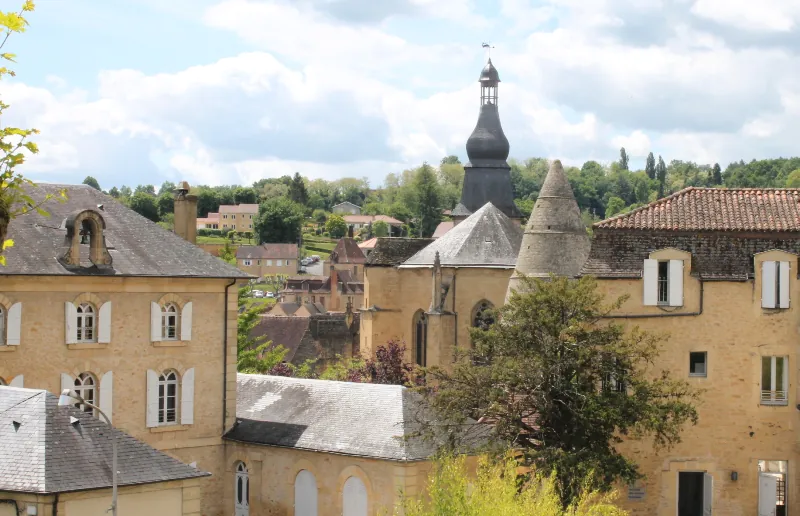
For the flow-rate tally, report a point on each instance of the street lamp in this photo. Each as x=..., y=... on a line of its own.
x=69, y=398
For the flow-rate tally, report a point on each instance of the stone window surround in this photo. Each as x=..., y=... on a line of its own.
x=180, y=303
x=96, y=302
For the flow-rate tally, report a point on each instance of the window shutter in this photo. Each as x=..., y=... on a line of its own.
x=71, y=316
x=152, y=398
x=107, y=394
x=187, y=397
x=708, y=494
x=784, y=275
x=768, y=284
x=675, y=283
x=17, y=381
x=104, y=330
x=155, y=322
x=650, y=275
x=67, y=382
x=186, y=322
x=14, y=322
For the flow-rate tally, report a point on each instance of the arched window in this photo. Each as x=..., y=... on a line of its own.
x=242, y=499
x=168, y=397
x=86, y=388
x=420, y=333
x=169, y=322
x=482, y=316
x=305, y=494
x=2, y=326
x=354, y=498
x=86, y=323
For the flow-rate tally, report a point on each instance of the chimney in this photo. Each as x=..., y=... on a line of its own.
x=185, y=213
x=334, y=306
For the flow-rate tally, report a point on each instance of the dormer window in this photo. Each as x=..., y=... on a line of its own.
x=775, y=284
x=663, y=282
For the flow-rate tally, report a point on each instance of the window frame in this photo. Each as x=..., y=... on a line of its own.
x=420, y=334
x=662, y=283
x=775, y=396
x=82, y=318
x=241, y=490
x=164, y=382
x=165, y=326
x=704, y=374
x=3, y=325
x=248, y=263
x=86, y=386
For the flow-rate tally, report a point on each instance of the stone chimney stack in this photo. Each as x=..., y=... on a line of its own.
x=185, y=213
x=555, y=239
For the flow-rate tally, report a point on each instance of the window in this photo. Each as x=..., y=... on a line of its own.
x=280, y=263
x=354, y=498
x=698, y=363
x=663, y=282
x=85, y=386
x=482, y=316
x=251, y=217
x=168, y=398
x=269, y=262
x=224, y=225
x=248, y=262
x=86, y=323
x=242, y=502
x=774, y=380
x=169, y=322
x=772, y=487
x=225, y=217
x=614, y=382
x=2, y=326
x=775, y=284
x=305, y=494
x=258, y=262
x=420, y=329
x=695, y=491
x=355, y=270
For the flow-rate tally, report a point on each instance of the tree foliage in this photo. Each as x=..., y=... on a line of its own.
x=380, y=229
x=427, y=201
x=297, y=190
x=545, y=377
x=90, y=181
x=255, y=355
x=278, y=221
x=336, y=226
x=497, y=488
x=145, y=205
x=650, y=166
x=624, y=160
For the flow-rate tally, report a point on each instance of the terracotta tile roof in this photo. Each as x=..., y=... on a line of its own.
x=267, y=251
x=347, y=251
x=239, y=208
x=366, y=219
x=443, y=228
x=716, y=209
x=368, y=244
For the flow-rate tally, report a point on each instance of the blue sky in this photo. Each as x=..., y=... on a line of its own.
x=230, y=91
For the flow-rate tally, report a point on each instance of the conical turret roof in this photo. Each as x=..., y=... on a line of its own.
x=555, y=239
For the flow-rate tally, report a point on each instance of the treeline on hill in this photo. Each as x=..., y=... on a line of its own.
x=418, y=196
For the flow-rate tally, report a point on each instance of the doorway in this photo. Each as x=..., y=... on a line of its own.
x=772, y=487
x=695, y=490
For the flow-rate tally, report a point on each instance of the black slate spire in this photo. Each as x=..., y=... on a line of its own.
x=487, y=176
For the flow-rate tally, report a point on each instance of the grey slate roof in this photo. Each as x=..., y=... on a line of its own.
x=390, y=252
x=42, y=451
x=360, y=419
x=487, y=238
x=137, y=246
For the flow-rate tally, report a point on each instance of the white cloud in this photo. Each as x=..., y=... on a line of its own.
x=637, y=144
x=764, y=15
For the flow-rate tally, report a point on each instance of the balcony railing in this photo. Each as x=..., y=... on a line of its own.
x=774, y=397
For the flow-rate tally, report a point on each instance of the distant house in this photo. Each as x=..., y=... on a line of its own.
x=361, y=221
x=210, y=221
x=319, y=336
x=267, y=259
x=238, y=217
x=443, y=228
x=367, y=246
x=347, y=207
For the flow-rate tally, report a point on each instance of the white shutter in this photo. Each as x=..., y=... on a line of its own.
x=187, y=397
x=17, y=381
x=107, y=394
x=71, y=322
x=767, y=495
x=768, y=284
x=155, y=322
x=708, y=494
x=186, y=322
x=152, y=398
x=104, y=331
x=675, y=283
x=67, y=382
x=14, y=322
x=650, y=275
x=785, y=284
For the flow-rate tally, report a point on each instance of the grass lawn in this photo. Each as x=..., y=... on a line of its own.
x=261, y=302
x=321, y=246
x=222, y=240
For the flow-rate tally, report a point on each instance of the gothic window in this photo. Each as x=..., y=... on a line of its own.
x=242, y=501
x=86, y=323
x=305, y=494
x=86, y=388
x=482, y=316
x=169, y=322
x=168, y=398
x=354, y=498
x=420, y=329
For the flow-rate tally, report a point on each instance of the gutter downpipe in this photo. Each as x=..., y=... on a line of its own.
x=225, y=356
x=653, y=316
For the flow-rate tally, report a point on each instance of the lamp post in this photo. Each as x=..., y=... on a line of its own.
x=69, y=398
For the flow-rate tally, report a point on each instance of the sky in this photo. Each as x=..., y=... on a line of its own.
x=232, y=91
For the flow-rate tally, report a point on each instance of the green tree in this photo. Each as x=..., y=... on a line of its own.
x=585, y=379
x=793, y=181
x=661, y=175
x=450, y=160
x=497, y=488
x=90, y=181
x=228, y=253
x=716, y=177
x=145, y=205
x=650, y=167
x=166, y=203
x=336, y=226
x=615, y=205
x=623, y=159
x=319, y=216
x=427, y=200
x=380, y=229
x=245, y=195
x=148, y=189
x=114, y=192
x=279, y=220
x=297, y=190
x=167, y=187
x=255, y=355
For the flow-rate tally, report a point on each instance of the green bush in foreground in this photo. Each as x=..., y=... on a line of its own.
x=497, y=490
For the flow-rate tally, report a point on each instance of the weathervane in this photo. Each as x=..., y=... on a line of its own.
x=488, y=48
